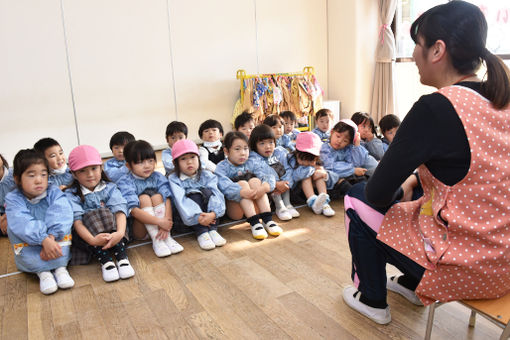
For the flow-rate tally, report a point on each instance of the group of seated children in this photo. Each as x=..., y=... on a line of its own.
x=101, y=207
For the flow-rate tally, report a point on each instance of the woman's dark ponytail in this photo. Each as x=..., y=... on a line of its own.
x=497, y=86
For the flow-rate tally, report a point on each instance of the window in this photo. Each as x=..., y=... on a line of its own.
x=497, y=14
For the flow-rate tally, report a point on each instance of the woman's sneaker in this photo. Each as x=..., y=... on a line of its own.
x=351, y=296
x=64, y=280
x=173, y=245
x=393, y=285
x=258, y=231
x=205, y=242
x=125, y=269
x=217, y=239
x=272, y=228
x=110, y=272
x=47, y=283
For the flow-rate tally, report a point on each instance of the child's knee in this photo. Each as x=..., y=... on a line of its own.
x=156, y=199
x=254, y=182
x=145, y=201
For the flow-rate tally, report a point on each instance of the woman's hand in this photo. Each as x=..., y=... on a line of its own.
x=409, y=184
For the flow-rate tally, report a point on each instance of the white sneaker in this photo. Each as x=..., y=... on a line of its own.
x=293, y=211
x=327, y=210
x=258, y=231
x=205, y=242
x=160, y=248
x=283, y=214
x=47, y=283
x=393, y=285
x=217, y=239
x=64, y=280
x=110, y=272
x=272, y=228
x=125, y=269
x=378, y=315
x=319, y=203
x=173, y=245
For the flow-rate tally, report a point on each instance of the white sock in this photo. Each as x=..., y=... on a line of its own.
x=286, y=199
x=278, y=202
x=160, y=210
x=152, y=229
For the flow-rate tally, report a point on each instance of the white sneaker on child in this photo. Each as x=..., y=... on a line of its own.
x=351, y=296
x=272, y=228
x=327, y=210
x=258, y=231
x=64, y=280
x=283, y=214
x=125, y=269
x=173, y=245
x=293, y=212
x=110, y=272
x=205, y=242
x=47, y=283
x=217, y=239
x=317, y=206
x=393, y=285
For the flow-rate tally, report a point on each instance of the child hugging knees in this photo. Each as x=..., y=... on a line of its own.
x=147, y=193
x=99, y=216
x=250, y=187
x=197, y=200
x=304, y=162
x=40, y=219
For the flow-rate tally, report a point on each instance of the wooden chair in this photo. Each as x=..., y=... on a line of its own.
x=495, y=310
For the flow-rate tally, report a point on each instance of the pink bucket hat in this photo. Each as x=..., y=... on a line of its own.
x=83, y=156
x=309, y=142
x=182, y=147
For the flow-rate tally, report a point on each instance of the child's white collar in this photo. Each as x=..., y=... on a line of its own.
x=60, y=171
x=214, y=144
x=38, y=199
x=184, y=177
x=99, y=187
x=139, y=177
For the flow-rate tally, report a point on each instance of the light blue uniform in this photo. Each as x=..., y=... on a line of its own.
x=168, y=161
x=279, y=155
x=7, y=184
x=375, y=148
x=31, y=222
x=61, y=179
x=324, y=136
x=132, y=186
x=341, y=163
x=115, y=169
x=188, y=209
x=109, y=197
x=287, y=142
x=297, y=173
x=226, y=170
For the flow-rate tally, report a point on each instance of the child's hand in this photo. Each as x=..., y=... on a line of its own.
x=162, y=234
x=206, y=219
x=166, y=223
x=281, y=187
x=114, y=239
x=359, y=171
x=261, y=191
x=62, y=187
x=50, y=249
x=357, y=139
x=3, y=224
x=248, y=193
x=101, y=239
x=319, y=174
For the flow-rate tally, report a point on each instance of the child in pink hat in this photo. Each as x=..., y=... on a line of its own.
x=195, y=195
x=306, y=170
x=99, y=216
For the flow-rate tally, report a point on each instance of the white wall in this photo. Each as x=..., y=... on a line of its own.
x=137, y=65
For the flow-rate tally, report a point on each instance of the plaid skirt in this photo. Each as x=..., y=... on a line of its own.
x=97, y=221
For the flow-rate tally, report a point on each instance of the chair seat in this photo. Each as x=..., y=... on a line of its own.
x=497, y=309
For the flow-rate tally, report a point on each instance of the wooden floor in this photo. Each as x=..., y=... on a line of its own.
x=285, y=287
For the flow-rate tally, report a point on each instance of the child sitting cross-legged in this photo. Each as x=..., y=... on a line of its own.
x=196, y=197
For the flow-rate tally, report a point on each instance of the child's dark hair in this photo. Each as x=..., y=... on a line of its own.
x=306, y=156
x=259, y=133
x=24, y=159
x=137, y=151
x=4, y=162
x=44, y=143
x=121, y=138
x=272, y=120
x=175, y=127
x=231, y=137
x=242, y=119
x=362, y=118
x=342, y=127
x=77, y=186
x=389, y=122
x=209, y=124
x=290, y=115
x=323, y=113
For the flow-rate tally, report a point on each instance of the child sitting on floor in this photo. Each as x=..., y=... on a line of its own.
x=59, y=172
x=115, y=167
x=323, y=120
x=196, y=197
x=389, y=125
x=368, y=134
x=211, y=150
x=175, y=131
x=244, y=123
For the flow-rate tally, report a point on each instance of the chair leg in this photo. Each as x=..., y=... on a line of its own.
x=430, y=321
x=472, y=319
x=506, y=332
